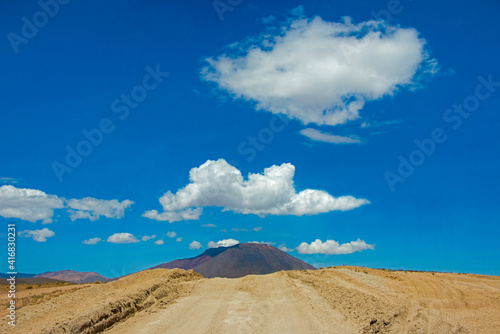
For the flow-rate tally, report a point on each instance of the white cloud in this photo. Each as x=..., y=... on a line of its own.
x=322, y=72
x=257, y=229
x=268, y=19
x=93, y=209
x=171, y=234
x=159, y=242
x=37, y=235
x=174, y=216
x=33, y=205
x=28, y=204
x=178, y=239
x=91, y=241
x=208, y=225
x=147, y=237
x=234, y=229
x=270, y=243
x=9, y=180
x=376, y=124
x=298, y=11
x=122, y=238
x=195, y=245
x=330, y=247
x=223, y=243
x=326, y=137
x=216, y=183
x=284, y=248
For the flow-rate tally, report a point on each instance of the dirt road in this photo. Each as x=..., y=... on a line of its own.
x=254, y=304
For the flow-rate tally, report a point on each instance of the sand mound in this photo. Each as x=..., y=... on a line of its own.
x=383, y=301
x=98, y=307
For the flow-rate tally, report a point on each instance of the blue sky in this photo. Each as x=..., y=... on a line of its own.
x=334, y=95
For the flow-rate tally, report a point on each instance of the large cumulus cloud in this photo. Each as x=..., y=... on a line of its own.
x=217, y=183
x=321, y=72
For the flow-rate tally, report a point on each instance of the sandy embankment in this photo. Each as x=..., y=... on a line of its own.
x=93, y=309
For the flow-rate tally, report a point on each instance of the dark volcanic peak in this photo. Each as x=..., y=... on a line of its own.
x=239, y=260
x=193, y=262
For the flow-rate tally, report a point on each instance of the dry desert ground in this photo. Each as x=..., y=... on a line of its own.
x=330, y=300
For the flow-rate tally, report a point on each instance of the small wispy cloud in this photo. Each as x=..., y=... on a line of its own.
x=9, y=180
x=298, y=11
x=332, y=247
x=223, y=243
x=122, y=238
x=284, y=248
x=268, y=19
x=91, y=241
x=234, y=229
x=270, y=243
x=37, y=235
x=327, y=137
x=195, y=245
x=377, y=124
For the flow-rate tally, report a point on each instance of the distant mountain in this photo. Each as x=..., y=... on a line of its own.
x=34, y=280
x=238, y=261
x=18, y=275
x=23, y=278
x=74, y=276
